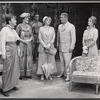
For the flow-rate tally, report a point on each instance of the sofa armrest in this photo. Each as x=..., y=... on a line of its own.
x=72, y=65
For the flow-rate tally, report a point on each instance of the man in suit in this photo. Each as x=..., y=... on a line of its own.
x=66, y=39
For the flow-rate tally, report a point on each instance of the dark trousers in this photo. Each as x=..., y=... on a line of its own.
x=35, y=51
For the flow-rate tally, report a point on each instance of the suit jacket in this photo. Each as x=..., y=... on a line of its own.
x=66, y=37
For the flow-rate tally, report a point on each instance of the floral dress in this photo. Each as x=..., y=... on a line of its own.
x=26, y=61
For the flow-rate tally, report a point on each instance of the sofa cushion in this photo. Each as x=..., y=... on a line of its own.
x=88, y=74
x=90, y=64
x=85, y=77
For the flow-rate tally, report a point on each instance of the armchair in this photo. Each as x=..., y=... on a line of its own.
x=85, y=70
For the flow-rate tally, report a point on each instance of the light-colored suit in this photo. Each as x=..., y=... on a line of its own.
x=66, y=39
x=46, y=37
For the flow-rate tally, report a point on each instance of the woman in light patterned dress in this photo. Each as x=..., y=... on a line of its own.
x=90, y=37
x=90, y=60
x=25, y=32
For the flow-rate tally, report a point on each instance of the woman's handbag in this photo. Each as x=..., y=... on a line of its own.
x=51, y=51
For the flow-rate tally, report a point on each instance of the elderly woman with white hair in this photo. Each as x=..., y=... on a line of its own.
x=25, y=32
x=46, y=40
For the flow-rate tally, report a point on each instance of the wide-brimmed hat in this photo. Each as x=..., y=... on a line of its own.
x=23, y=15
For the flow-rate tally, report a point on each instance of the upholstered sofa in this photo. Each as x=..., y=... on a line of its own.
x=85, y=70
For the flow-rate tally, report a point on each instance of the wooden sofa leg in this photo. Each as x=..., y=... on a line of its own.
x=70, y=86
x=97, y=87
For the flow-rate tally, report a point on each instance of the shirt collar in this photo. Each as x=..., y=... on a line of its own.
x=10, y=27
x=66, y=23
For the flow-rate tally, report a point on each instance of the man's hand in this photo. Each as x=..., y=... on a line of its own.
x=70, y=50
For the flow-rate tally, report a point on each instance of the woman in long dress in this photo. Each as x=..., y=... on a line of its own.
x=90, y=61
x=46, y=39
x=9, y=51
x=90, y=37
x=25, y=32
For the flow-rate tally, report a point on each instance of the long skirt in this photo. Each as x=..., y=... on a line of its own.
x=46, y=58
x=26, y=59
x=11, y=70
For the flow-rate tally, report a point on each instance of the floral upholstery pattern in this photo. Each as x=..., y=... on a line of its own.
x=90, y=64
x=85, y=70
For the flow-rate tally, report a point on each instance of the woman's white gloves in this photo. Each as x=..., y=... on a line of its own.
x=85, y=49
